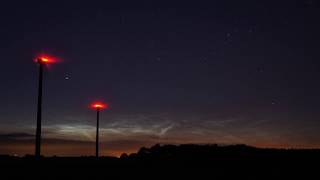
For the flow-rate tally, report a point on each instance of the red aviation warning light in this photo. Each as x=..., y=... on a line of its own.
x=98, y=105
x=45, y=60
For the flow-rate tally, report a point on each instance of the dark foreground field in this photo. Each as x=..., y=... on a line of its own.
x=197, y=161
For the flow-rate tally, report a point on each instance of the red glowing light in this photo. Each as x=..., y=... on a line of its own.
x=45, y=60
x=99, y=105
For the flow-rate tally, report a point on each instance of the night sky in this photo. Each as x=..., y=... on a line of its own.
x=223, y=72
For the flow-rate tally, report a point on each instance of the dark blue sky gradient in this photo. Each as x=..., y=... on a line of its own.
x=187, y=72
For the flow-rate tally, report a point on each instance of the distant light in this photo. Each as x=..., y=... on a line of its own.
x=99, y=105
x=45, y=60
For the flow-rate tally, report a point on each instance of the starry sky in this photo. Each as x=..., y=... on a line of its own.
x=173, y=72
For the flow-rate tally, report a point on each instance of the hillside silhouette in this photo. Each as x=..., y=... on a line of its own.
x=223, y=161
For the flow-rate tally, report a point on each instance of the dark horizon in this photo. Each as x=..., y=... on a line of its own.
x=234, y=161
x=79, y=148
x=172, y=72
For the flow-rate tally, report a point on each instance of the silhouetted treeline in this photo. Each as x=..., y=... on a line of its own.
x=188, y=153
x=223, y=161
